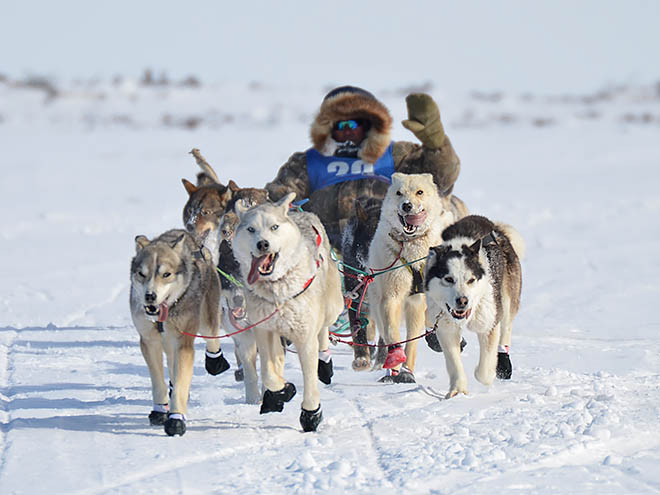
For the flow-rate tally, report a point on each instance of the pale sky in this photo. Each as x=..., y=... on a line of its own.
x=523, y=45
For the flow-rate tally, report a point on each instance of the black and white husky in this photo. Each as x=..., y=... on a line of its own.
x=473, y=280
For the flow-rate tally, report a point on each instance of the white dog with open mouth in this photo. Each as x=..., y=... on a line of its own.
x=293, y=291
x=411, y=221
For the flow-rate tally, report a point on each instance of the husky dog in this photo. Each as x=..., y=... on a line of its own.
x=355, y=243
x=294, y=291
x=205, y=214
x=473, y=281
x=411, y=221
x=174, y=289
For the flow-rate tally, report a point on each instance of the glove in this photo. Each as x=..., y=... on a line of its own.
x=424, y=120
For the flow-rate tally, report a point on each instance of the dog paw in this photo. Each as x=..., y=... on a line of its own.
x=454, y=393
x=274, y=401
x=216, y=363
x=361, y=363
x=504, y=369
x=157, y=418
x=239, y=376
x=325, y=371
x=175, y=425
x=309, y=420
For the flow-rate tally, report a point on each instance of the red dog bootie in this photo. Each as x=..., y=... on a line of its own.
x=395, y=356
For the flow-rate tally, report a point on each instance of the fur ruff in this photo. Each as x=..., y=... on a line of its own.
x=346, y=106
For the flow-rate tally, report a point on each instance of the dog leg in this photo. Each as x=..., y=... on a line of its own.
x=391, y=311
x=184, y=353
x=485, y=371
x=504, y=368
x=450, y=340
x=152, y=351
x=415, y=309
x=246, y=351
x=310, y=416
x=325, y=368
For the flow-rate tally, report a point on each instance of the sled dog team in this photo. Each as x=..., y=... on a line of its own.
x=263, y=270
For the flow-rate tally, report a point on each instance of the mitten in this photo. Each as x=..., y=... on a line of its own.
x=424, y=120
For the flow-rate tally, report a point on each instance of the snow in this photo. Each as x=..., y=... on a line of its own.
x=574, y=169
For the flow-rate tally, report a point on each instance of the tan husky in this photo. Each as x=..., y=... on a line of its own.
x=174, y=289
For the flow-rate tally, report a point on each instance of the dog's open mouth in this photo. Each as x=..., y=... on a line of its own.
x=410, y=223
x=238, y=313
x=262, y=266
x=161, y=311
x=459, y=314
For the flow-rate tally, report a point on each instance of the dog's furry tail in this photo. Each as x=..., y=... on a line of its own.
x=207, y=175
x=515, y=239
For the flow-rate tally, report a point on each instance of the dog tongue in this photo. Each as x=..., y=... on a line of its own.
x=163, y=313
x=416, y=219
x=254, y=269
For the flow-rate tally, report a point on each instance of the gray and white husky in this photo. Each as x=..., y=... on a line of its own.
x=411, y=221
x=293, y=290
x=174, y=289
x=473, y=280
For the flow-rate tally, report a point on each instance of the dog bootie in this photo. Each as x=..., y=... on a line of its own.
x=504, y=369
x=158, y=416
x=404, y=376
x=239, y=376
x=433, y=342
x=395, y=356
x=216, y=363
x=309, y=420
x=175, y=424
x=325, y=367
x=389, y=377
x=274, y=401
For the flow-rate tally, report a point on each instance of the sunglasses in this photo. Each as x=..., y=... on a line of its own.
x=347, y=124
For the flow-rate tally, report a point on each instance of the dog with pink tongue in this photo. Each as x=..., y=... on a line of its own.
x=411, y=221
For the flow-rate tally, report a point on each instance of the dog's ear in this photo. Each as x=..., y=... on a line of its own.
x=362, y=215
x=286, y=201
x=472, y=249
x=177, y=244
x=440, y=251
x=141, y=242
x=190, y=187
x=226, y=196
x=232, y=186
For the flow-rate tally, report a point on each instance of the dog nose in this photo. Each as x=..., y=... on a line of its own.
x=238, y=300
x=263, y=245
x=461, y=302
x=407, y=206
x=150, y=297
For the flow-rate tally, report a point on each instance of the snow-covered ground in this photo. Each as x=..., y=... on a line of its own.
x=88, y=166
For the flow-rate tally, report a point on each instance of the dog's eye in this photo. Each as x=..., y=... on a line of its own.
x=398, y=193
x=471, y=281
x=449, y=280
x=420, y=192
x=166, y=274
x=141, y=274
x=275, y=227
x=206, y=212
x=251, y=230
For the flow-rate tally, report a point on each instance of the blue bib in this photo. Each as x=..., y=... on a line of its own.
x=324, y=171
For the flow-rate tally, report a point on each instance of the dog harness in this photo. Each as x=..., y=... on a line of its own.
x=418, y=278
x=324, y=171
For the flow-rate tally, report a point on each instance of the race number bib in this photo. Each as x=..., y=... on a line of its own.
x=324, y=171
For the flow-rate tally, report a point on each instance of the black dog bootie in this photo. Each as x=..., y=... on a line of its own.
x=504, y=369
x=216, y=363
x=175, y=424
x=274, y=401
x=309, y=420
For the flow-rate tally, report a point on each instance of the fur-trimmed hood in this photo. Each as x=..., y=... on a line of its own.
x=349, y=102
